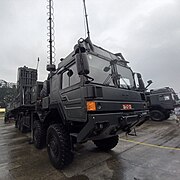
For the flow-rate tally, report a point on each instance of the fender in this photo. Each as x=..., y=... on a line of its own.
x=54, y=113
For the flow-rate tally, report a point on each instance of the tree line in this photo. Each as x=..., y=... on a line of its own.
x=7, y=94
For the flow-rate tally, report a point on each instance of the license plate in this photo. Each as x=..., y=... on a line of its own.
x=127, y=106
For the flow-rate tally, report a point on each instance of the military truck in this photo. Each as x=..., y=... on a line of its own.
x=161, y=103
x=90, y=96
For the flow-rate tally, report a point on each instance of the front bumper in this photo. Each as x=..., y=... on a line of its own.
x=105, y=125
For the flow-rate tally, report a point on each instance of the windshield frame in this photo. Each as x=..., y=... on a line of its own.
x=120, y=63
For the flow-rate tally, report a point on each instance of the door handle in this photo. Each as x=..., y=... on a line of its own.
x=64, y=98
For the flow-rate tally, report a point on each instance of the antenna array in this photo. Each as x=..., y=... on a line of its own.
x=51, y=38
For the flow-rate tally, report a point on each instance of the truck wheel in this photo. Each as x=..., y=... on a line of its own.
x=19, y=120
x=18, y=124
x=39, y=135
x=107, y=144
x=157, y=115
x=22, y=128
x=59, y=146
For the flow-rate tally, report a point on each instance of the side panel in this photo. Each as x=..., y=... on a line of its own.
x=55, y=98
x=73, y=104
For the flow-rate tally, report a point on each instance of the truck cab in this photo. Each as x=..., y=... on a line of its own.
x=101, y=102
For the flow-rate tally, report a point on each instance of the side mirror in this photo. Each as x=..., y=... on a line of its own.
x=106, y=69
x=149, y=83
x=139, y=75
x=70, y=73
x=81, y=60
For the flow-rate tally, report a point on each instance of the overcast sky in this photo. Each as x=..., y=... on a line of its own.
x=146, y=32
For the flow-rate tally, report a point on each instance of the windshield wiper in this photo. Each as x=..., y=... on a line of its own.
x=88, y=77
x=115, y=76
x=109, y=78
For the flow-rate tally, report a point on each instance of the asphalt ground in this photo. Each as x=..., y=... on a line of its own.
x=154, y=154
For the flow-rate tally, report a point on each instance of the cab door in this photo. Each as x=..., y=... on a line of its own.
x=71, y=96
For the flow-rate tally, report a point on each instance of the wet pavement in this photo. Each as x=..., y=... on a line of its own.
x=154, y=154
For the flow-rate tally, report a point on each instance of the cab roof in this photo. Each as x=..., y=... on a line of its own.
x=97, y=51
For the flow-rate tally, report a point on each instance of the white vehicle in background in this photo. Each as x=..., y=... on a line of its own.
x=177, y=111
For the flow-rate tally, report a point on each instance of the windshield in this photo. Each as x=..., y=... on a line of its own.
x=97, y=72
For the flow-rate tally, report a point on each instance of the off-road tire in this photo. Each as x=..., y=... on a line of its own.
x=18, y=124
x=107, y=144
x=59, y=146
x=157, y=115
x=39, y=135
x=22, y=128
